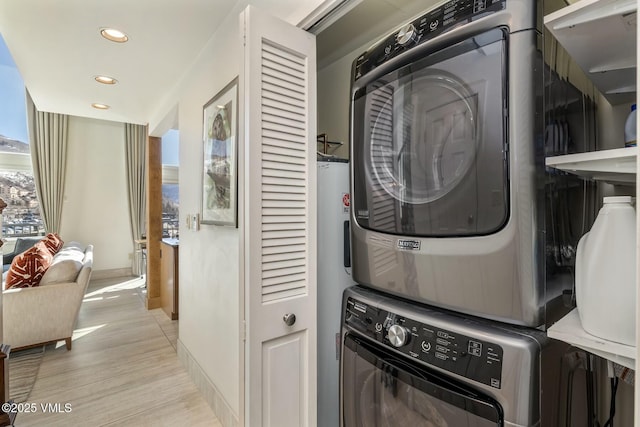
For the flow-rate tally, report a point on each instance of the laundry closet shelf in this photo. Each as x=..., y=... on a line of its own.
x=615, y=166
x=569, y=329
x=600, y=35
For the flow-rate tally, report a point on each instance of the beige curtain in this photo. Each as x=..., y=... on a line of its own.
x=48, y=145
x=135, y=139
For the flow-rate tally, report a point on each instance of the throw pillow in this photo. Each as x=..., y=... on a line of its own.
x=65, y=267
x=53, y=242
x=28, y=267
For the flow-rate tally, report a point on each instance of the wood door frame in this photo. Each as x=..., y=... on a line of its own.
x=153, y=219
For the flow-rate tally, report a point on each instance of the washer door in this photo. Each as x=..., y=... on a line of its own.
x=429, y=142
x=440, y=146
x=381, y=390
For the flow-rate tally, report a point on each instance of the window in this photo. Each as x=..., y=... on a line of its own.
x=21, y=217
x=170, y=211
x=170, y=187
x=22, y=214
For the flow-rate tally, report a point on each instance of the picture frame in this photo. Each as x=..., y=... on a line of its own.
x=220, y=158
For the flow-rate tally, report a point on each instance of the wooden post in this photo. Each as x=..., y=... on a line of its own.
x=2, y=206
x=5, y=419
x=154, y=220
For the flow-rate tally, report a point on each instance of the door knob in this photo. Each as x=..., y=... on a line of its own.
x=289, y=319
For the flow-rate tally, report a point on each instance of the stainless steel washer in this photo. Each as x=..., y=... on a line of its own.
x=407, y=365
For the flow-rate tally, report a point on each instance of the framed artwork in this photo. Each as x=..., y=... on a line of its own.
x=220, y=138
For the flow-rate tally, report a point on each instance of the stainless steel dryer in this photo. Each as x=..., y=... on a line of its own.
x=448, y=175
x=408, y=365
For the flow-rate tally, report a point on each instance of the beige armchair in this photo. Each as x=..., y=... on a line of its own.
x=46, y=313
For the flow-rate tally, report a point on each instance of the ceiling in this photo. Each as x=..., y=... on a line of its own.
x=58, y=49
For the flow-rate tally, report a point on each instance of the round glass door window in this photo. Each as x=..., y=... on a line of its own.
x=423, y=136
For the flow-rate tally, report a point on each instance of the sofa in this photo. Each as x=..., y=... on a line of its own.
x=48, y=312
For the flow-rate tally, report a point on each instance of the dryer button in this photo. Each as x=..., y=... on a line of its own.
x=406, y=35
x=398, y=335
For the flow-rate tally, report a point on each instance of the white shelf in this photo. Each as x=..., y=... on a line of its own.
x=614, y=166
x=600, y=35
x=569, y=329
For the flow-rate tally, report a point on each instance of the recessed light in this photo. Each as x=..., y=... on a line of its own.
x=114, y=35
x=100, y=106
x=106, y=80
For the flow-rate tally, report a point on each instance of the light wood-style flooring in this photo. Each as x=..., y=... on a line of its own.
x=122, y=370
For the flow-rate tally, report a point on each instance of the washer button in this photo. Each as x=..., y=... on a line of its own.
x=475, y=348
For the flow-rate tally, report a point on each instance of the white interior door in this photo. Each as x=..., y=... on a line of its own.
x=280, y=243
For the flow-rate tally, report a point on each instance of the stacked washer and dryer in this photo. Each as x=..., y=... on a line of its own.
x=457, y=236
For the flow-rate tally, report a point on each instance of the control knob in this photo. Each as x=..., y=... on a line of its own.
x=398, y=335
x=406, y=35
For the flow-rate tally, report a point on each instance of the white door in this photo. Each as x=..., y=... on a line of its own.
x=280, y=242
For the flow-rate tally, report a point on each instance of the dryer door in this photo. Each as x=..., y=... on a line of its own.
x=429, y=141
x=379, y=389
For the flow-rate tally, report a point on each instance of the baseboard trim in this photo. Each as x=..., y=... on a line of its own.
x=111, y=274
x=152, y=303
x=209, y=391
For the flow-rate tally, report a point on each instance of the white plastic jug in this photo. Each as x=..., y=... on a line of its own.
x=606, y=273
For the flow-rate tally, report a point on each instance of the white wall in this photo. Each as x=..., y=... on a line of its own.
x=211, y=284
x=95, y=209
x=334, y=95
x=334, y=82
x=209, y=260
x=611, y=119
x=211, y=280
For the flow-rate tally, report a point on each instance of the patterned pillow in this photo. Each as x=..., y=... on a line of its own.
x=28, y=267
x=53, y=242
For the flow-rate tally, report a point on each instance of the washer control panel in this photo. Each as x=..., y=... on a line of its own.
x=472, y=358
x=425, y=27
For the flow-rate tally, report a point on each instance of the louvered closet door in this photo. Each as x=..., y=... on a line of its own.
x=280, y=270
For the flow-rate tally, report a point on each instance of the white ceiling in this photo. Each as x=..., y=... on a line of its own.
x=58, y=49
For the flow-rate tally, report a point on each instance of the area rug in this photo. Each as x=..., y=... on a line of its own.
x=23, y=371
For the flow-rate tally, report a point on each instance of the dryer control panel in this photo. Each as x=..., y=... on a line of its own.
x=472, y=358
x=425, y=27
